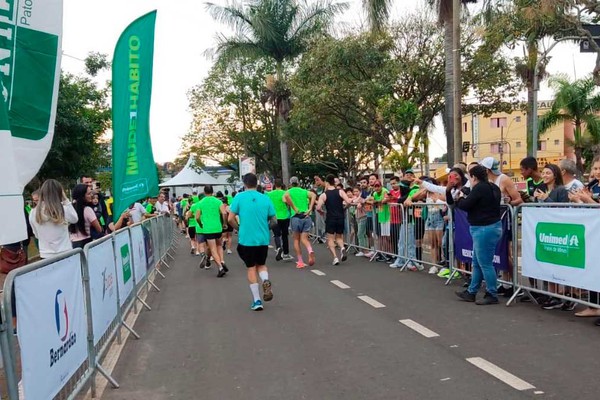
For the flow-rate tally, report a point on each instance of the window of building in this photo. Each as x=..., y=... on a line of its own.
x=518, y=144
x=498, y=122
x=494, y=148
x=464, y=126
x=556, y=142
x=541, y=145
x=518, y=119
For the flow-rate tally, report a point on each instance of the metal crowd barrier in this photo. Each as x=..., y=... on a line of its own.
x=555, y=257
x=72, y=307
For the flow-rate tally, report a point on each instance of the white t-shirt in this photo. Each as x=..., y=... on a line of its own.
x=53, y=238
x=162, y=208
x=137, y=213
x=575, y=184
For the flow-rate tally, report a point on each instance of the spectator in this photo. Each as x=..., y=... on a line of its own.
x=86, y=218
x=98, y=211
x=533, y=177
x=137, y=212
x=361, y=220
x=552, y=190
x=50, y=219
x=162, y=205
x=569, y=173
x=483, y=213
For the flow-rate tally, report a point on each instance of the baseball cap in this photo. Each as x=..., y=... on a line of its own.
x=409, y=171
x=294, y=179
x=492, y=164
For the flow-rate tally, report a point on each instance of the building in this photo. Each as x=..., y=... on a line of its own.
x=504, y=137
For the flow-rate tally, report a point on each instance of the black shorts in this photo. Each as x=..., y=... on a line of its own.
x=334, y=226
x=192, y=232
x=212, y=236
x=253, y=256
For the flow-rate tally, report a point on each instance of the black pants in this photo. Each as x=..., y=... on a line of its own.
x=281, y=233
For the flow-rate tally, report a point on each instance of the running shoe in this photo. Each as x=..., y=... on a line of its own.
x=267, y=292
x=466, y=296
x=433, y=270
x=487, y=300
x=419, y=266
x=369, y=254
x=359, y=254
x=229, y=251
x=225, y=267
x=336, y=261
x=444, y=273
x=287, y=257
x=552, y=304
x=257, y=306
x=311, y=258
x=279, y=255
x=344, y=253
x=569, y=306
x=411, y=267
x=221, y=273
x=394, y=265
x=202, y=263
x=300, y=265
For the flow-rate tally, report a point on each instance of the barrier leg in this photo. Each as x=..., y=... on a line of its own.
x=153, y=285
x=107, y=376
x=160, y=273
x=146, y=306
x=131, y=330
x=165, y=263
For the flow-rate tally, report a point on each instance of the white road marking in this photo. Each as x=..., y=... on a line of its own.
x=317, y=272
x=445, y=379
x=372, y=302
x=499, y=373
x=415, y=326
x=538, y=392
x=340, y=284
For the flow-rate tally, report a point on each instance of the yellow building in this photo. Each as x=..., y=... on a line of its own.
x=504, y=137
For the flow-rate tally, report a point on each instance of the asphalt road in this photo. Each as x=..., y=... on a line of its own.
x=316, y=340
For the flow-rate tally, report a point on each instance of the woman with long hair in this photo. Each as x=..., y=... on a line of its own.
x=80, y=231
x=482, y=205
x=50, y=219
x=553, y=190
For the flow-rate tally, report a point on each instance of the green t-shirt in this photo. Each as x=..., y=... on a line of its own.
x=210, y=208
x=150, y=208
x=184, y=204
x=383, y=210
x=195, y=199
x=229, y=199
x=192, y=220
x=299, y=197
x=281, y=209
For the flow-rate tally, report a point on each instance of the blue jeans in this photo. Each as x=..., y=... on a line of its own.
x=409, y=242
x=485, y=240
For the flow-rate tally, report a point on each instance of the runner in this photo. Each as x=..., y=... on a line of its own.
x=301, y=201
x=281, y=231
x=333, y=198
x=183, y=209
x=192, y=226
x=254, y=211
x=210, y=216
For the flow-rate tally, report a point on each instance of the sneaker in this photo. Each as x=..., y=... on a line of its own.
x=344, y=253
x=225, y=267
x=202, y=263
x=335, y=261
x=360, y=254
x=419, y=266
x=466, y=296
x=394, y=265
x=221, y=273
x=487, y=300
x=552, y=304
x=411, y=267
x=369, y=254
x=278, y=256
x=271, y=246
x=381, y=258
x=229, y=251
x=192, y=251
x=311, y=258
x=569, y=306
x=433, y=270
x=597, y=322
x=267, y=292
x=444, y=273
x=257, y=306
x=287, y=257
x=300, y=265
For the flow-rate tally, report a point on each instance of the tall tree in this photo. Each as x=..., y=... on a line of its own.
x=279, y=30
x=576, y=102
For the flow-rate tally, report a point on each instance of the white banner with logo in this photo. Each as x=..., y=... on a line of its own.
x=559, y=246
x=103, y=287
x=123, y=265
x=138, y=247
x=52, y=326
x=247, y=166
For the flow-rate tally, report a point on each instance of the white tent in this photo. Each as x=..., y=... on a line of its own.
x=189, y=177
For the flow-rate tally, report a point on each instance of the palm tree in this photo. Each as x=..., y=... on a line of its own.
x=579, y=103
x=279, y=30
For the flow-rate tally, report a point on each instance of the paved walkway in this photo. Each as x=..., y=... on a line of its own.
x=319, y=340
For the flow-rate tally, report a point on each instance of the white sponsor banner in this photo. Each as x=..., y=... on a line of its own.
x=103, y=287
x=558, y=246
x=123, y=265
x=247, y=166
x=138, y=247
x=52, y=326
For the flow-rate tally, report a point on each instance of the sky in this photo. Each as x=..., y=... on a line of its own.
x=185, y=30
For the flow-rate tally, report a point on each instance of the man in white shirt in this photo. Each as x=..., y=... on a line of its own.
x=137, y=212
x=569, y=173
x=162, y=205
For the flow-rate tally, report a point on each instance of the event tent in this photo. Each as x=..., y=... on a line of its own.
x=188, y=176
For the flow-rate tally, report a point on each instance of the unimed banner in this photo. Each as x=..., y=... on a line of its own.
x=134, y=171
x=124, y=266
x=103, y=287
x=52, y=326
x=559, y=245
x=463, y=242
x=139, y=253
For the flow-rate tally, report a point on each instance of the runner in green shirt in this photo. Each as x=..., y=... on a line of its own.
x=301, y=202
x=210, y=217
x=192, y=226
x=281, y=231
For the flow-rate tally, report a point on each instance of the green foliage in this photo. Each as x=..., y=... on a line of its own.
x=96, y=62
x=82, y=117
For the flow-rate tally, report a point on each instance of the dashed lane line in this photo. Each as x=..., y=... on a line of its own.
x=372, y=302
x=340, y=284
x=501, y=374
x=317, y=272
x=415, y=326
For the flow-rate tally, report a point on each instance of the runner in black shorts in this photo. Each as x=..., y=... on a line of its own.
x=210, y=217
x=333, y=199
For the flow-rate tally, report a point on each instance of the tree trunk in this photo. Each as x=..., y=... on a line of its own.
x=448, y=93
x=532, y=55
x=283, y=145
x=579, y=159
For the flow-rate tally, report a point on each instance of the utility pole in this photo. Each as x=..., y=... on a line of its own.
x=501, y=148
x=456, y=82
